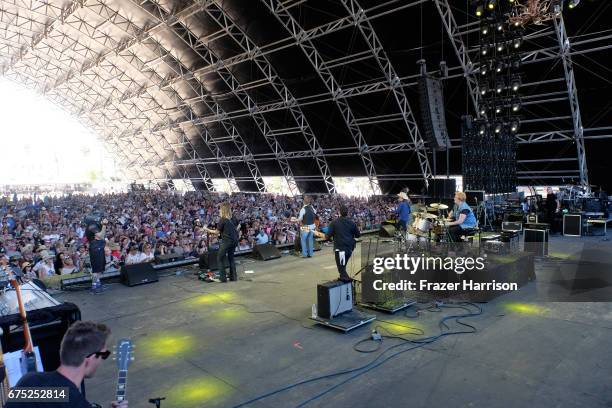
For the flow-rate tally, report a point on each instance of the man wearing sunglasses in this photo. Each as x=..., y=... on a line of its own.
x=82, y=350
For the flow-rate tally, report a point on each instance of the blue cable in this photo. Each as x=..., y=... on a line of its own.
x=372, y=364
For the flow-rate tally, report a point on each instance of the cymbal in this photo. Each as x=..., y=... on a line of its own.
x=439, y=206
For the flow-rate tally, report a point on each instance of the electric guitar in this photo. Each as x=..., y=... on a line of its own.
x=124, y=357
x=28, y=358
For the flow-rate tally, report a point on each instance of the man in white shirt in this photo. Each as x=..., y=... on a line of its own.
x=261, y=238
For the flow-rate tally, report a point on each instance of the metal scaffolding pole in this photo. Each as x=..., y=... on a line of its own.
x=565, y=47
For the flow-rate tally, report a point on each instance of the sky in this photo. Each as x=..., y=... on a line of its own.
x=41, y=143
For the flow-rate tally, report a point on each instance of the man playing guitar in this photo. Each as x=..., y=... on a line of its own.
x=82, y=350
x=307, y=217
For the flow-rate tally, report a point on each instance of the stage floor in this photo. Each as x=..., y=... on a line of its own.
x=217, y=345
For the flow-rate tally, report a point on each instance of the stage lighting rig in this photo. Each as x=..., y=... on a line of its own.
x=491, y=4
x=573, y=3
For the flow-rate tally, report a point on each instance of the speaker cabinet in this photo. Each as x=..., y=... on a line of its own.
x=442, y=188
x=138, y=274
x=572, y=225
x=334, y=298
x=387, y=231
x=265, y=252
x=536, y=241
x=432, y=112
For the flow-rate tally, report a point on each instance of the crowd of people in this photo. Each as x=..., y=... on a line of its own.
x=41, y=237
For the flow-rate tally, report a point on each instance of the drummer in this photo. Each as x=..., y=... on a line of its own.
x=403, y=211
x=461, y=217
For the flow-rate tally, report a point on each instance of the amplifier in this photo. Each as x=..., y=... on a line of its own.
x=512, y=226
x=536, y=240
x=572, y=225
x=334, y=298
x=532, y=218
x=537, y=226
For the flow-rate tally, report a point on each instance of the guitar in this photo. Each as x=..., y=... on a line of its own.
x=124, y=357
x=28, y=358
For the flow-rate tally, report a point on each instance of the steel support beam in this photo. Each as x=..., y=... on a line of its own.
x=454, y=35
x=568, y=67
x=384, y=64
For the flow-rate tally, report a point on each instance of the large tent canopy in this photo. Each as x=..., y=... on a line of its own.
x=305, y=90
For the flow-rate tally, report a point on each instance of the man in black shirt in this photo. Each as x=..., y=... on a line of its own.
x=97, y=257
x=344, y=231
x=228, y=231
x=552, y=206
x=82, y=350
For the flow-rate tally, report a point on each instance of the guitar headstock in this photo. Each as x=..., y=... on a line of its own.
x=124, y=354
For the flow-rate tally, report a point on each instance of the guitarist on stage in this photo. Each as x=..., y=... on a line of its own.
x=344, y=231
x=82, y=350
x=307, y=217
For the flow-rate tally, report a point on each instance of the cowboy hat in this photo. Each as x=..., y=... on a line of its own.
x=403, y=196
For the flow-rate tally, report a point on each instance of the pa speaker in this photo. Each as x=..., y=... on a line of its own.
x=138, y=274
x=432, y=112
x=265, y=252
x=387, y=231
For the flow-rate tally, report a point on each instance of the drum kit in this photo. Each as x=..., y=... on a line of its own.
x=428, y=225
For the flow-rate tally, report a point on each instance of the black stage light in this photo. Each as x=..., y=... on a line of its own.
x=485, y=50
x=499, y=67
x=498, y=109
x=479, y=11
x=498, y=127
x=573, y=3
x=491, y=4
x=515, y=84
x=499, y=87
x=482, y=129
x=517, y=43
x=485, y=30
x=484, y=88
x=500, y=47
x=516, y=105
x=514, y=126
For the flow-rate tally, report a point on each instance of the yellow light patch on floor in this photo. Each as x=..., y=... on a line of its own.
x=525, y=308
x=196, y=392
x=165, y=344
x=211, y=298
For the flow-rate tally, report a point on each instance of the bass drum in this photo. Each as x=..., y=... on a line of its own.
x=422, y=225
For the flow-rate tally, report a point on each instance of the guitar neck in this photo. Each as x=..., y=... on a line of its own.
x=121, y=385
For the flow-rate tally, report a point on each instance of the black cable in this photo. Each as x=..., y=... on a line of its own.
x=366, y=367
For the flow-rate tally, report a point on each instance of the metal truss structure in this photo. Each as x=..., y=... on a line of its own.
x=186, y=89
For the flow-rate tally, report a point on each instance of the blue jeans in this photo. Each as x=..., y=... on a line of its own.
x=307, y=238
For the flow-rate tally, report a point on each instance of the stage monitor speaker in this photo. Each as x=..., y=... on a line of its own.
x=138, y=274
x=208, y=260
x=265, y=252
x=536, y=241
x=387, y=231
x=572, y=225
x=432, y=112
x=334, y=298
x=442, y=188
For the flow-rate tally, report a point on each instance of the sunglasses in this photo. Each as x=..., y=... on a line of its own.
x=103, y=354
